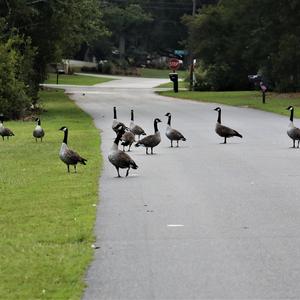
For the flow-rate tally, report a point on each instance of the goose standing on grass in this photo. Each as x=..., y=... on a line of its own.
x=119, y=158
x=293, y=132
x=136, y=129
x=152, y=140
x=127, y=139
x=38, y=132
x=173, y=134
x=3, y=130
x=115, y=122
x=68, y=156
x=224, y=131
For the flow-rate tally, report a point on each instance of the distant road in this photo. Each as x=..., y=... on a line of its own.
x=205, y=221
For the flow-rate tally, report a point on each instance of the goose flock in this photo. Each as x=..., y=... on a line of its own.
x=127, y=136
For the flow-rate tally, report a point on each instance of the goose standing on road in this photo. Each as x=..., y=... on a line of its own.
x=293, y=132
x=3, y=130
x=173, y=134
x=152, y=140
x=224, y=131
x=136, y=129
x=119, y=158
x=68, y=156
x=38, y=132
x=127, y=139
x=115, y=122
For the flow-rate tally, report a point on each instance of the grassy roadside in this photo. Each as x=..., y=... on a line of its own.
x=275, y=103
x=47, y=215
x=158, y=73
x=76, y=79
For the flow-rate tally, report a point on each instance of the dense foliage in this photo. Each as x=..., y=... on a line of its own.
x=55, y=29
x=239, y=37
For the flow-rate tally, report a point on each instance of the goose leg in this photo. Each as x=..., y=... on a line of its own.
x=298, y=143
x=151, y=150
x=36, y=140
x=118, y=172
x=225, y=140
x=293, y=143
x=68, y=168
x=177, y=144
x=171, y=143
x=147, y=150
x=75, y=168
x=129, y=147
x=127, y=172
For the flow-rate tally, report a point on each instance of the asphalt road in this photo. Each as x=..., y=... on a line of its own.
x=203, y=221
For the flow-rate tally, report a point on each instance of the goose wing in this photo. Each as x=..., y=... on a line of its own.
x=7, y=132
x=73, y=157
x=122, y=160
x=174, y=134
x=225, y=131
x=294, y=133
x=150, y=140
x=137, y=130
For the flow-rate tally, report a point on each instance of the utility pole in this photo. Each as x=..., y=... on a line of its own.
x=191, y=54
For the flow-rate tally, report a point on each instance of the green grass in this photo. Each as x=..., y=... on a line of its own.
x=181, y=85
x=76, y=79
x=47, y=215
x=275, y=103
x=158, y=73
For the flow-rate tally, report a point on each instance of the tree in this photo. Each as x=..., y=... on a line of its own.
x=240, y=37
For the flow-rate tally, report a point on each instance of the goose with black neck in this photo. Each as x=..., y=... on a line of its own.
x=293, y=132
x=224, y=131
x=68, y=156
x=38, y=132
x=118, y=158
x=4, y=131
x=152, y=140
x=136, y=129
x=173, y=134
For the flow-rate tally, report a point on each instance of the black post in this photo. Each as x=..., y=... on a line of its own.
x=174, y=78
x=263, y=97
x=56, y=76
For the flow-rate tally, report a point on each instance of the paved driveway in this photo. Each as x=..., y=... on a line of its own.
x=204, y=221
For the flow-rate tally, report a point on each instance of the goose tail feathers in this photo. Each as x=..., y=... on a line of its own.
x=133, y=165
x=237, y=134
x=83, y=160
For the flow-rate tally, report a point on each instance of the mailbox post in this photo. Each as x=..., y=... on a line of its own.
x=174, y=77
x=174, y=65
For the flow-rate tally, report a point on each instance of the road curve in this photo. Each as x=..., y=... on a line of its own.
x=204, y=221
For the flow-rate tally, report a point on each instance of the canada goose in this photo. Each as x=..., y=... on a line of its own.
x=135, y=129
x=127, y=139
x=224, y=131
x=152, y=140
x=293, y=132
x=115, y=122
x=3, y=130
x=119, y=158
x=38, y=132
x=68, y=156
x=173, y=134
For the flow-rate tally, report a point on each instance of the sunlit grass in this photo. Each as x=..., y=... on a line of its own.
x=47, y=215
x=276, y=103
